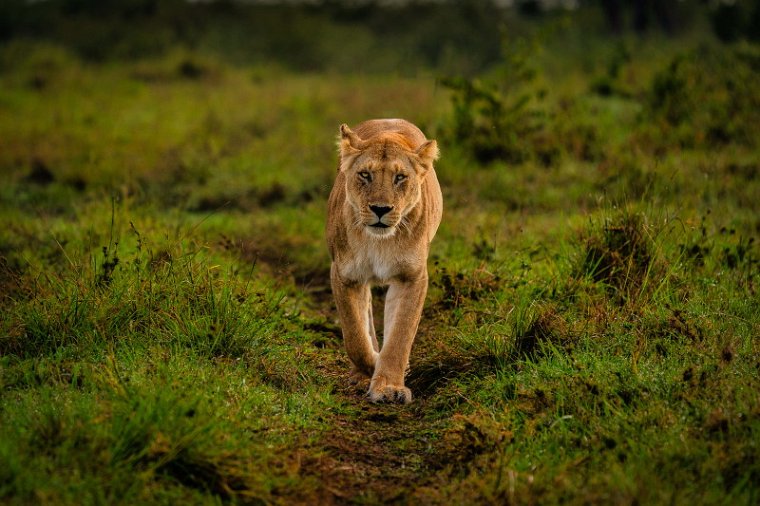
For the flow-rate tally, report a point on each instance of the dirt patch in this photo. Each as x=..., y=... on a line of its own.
x=378, y=454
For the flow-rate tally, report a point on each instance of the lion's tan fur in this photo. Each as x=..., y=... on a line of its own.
x=373, y=158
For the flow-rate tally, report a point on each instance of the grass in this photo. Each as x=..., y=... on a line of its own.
x=168, y=333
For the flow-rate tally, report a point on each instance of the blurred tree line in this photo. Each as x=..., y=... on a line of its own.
x=730, y=19
x=457, y=36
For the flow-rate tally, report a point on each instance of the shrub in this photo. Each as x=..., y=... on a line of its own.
x=708, y=97
x=507, y=116
x=501, y=119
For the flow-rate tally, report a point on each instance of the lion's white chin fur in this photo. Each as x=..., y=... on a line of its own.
x=380, y=233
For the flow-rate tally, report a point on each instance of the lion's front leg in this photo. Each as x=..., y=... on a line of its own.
x=353, y=301
x=403, y=308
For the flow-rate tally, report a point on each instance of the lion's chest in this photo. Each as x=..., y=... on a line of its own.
x=375, y=262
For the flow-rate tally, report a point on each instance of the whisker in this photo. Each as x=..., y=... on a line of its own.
x=404, y=224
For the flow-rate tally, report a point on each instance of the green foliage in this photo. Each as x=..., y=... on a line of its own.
x=170, y=295
x=612, y=81
x=701, y=97
x=514, y=115
x=156, y=438
x=501, y=120
x=707, y=96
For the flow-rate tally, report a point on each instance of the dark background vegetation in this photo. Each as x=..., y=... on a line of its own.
x=336, y=35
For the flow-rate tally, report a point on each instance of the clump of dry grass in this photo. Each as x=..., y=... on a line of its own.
x=620, y=254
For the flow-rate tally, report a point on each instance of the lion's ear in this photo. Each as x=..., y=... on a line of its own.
x=428, y=153
x=348, y=143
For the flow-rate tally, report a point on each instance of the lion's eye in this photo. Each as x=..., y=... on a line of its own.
x=365, y=175
x=399, y=178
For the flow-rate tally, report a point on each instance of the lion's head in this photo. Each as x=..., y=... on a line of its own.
x=384, y=174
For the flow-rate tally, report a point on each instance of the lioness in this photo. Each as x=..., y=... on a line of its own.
x=383, y=211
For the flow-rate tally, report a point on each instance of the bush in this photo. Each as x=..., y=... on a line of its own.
x=708, y=97
x=503, y=119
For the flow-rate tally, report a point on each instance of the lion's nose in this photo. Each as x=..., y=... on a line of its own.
x=380, y=211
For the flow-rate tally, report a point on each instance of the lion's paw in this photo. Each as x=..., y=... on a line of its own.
x=380, y=391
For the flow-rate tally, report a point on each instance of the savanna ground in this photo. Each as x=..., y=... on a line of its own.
x=590, y=334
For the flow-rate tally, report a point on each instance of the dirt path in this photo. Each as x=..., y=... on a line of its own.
x=373, y=453
x=378, y=455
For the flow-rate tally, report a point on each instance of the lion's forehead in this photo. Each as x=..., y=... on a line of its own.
x=384, y=169
x=386, y=151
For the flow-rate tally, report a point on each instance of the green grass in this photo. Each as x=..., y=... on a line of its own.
x=168, y=334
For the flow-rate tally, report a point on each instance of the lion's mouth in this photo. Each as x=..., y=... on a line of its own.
x=380, y=224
